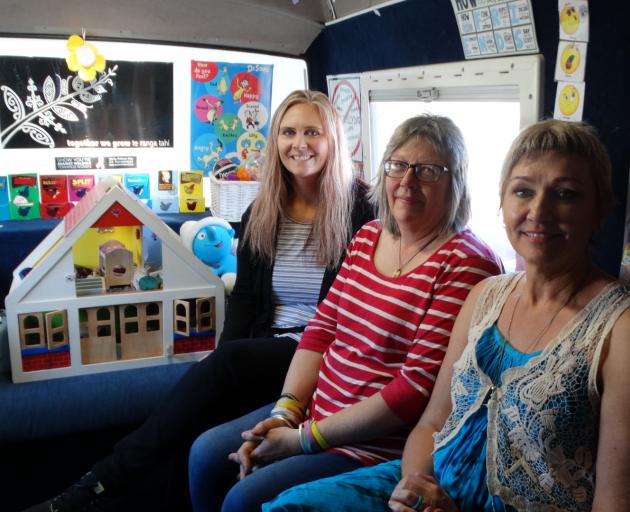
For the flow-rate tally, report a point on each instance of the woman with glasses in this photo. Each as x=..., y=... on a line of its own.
x=367, y=361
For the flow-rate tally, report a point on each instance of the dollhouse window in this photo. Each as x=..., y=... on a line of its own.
x=131, y=328
x=31, y=322
x=33, y=331
x=153, y=309
x=104, y=331
x=131, y=312
x=102, y=314
x=153, y=325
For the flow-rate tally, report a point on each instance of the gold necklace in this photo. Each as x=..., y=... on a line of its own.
x=402, y=265
x=534, y=343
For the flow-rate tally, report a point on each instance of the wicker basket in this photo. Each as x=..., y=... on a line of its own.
x=229, y=199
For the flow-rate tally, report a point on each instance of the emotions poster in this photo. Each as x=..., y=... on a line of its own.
x=230, y=115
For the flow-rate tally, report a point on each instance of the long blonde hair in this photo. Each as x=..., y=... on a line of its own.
x=331, y=225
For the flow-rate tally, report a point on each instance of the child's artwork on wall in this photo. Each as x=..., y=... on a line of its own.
x=230, y=105
x=79, y=185
x=44, y=105
x=55, y=201
x=24, y=196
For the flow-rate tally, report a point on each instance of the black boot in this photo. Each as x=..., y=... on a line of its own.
x=86, y=495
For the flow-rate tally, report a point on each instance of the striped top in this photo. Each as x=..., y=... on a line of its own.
x=297, y=276
x=389, y=335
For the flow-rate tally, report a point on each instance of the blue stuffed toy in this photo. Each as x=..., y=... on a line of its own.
x=211, y=239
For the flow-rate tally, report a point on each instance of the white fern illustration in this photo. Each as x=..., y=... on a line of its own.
x=63, y=104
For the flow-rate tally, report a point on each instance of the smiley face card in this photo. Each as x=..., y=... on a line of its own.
x=573, y=20
x=571, y=61
x=569, y=101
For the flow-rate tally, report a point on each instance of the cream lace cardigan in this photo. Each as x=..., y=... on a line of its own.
x=543, y=420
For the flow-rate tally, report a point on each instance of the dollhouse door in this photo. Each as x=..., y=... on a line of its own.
x=56, y=328
x=205, y=314
x=98, y=334
x=141, y=330
x=181, y=317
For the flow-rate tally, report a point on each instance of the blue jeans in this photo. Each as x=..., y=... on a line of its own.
x=213, y=478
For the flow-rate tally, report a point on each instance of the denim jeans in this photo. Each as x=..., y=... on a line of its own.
x=213, y=478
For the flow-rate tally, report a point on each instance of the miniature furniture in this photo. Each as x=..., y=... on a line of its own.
x=115, y=264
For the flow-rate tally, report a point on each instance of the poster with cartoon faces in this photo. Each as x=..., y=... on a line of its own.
x=569, y=101
x=571, y=61
x=230, y=105
x=573, y=16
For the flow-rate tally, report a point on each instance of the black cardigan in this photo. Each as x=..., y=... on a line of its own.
x=249, y=308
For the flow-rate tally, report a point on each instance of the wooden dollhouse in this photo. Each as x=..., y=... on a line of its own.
x=92, y=297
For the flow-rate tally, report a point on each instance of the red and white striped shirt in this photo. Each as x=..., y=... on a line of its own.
x=389, y=335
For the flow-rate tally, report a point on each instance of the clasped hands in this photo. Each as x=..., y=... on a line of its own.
x=269, y=440
x=417, y=492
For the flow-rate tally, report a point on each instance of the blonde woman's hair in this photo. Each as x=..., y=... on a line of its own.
x=579, y=139
x=332, y=223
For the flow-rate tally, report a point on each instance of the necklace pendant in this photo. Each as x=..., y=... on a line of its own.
x=397, y=273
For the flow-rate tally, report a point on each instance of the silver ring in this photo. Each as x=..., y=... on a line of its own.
x=418, y=503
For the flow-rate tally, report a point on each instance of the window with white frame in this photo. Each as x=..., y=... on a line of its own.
x=490, y=100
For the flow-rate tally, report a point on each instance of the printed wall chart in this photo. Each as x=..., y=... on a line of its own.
x=494, y=28
x=230, y=115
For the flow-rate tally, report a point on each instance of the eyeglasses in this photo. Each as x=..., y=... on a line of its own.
x=428, y=173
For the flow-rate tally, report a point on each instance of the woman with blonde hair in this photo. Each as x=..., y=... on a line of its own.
x=293, y=238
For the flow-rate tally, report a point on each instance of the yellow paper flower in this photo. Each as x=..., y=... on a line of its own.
x=84, y=58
